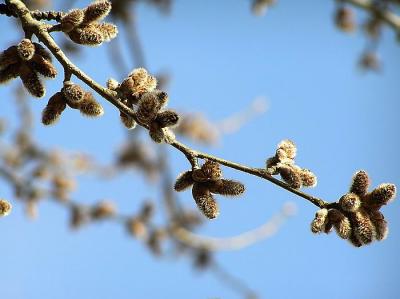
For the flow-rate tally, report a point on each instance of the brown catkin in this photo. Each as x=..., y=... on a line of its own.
x=5, y=207
x=9, y=73
x=320, y=220
x=42, y=66
x=380, y=224
x=167, y=118
x=97, y=11
x=290, y=175
x=54, y=108
x=127, y=121
x=350, y=202
x=103, y=209
x=32, y=82
x=360, y=183
x=40, y=50
x=344, y=19
x=184, y=181
x=90, y=107
x=341, y=223
x=136, y=227
x=381, y=195
x=362, y=227
x=226, y=187
x=148, y=107
x=108, y=30
x=72, y=20
x=308, y=179
x=288, y=147
x=205, y=201
x=88, y=35
x=8, y=57
x=73, y=93
x=26, y=49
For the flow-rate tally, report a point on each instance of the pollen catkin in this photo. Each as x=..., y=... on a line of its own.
x=90, y=107
x=72, y=20
x=112, y=84
x=88, y=35
x=184, y=181
x=290, y=175
x=5, y=208
x=381, y=195
x=25, y=49
x=156, y=133
x=360, y=183
x=380, y=224
x=363, y=228
x=108, y=30
x=148, y=107
x=42, y=66
x=205, y=201
x=226, y=187
x=8, y=57
x=97, y=11
x=167, y=118
x=127, y=121
x=340, y=222
x=318, y=224
x=308, y=179
x=288, y=147
x=9, y=73
x=73, y=93
x=53, y=110
x=40, y=50
x=136, y=228
x=32, y=82
x=350, y=202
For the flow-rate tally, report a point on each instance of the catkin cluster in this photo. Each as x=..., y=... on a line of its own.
x=29, y=61
x=357, y=217
x=139, y=91
x=75, y=97
x=205, y=182
x=283, y=163
x=83, y=26
x=5, y=207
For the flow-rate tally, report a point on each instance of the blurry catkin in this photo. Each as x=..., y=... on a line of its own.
x=97, y=11
x=42, y=66
x=127, y=121
x=205, y=201
x=318, y=224
x=71, y=20
x=112, y=84
x=78, y=217
x=360, y=183
x=8, y=57
x=73, y=93
x=103, y=209
x=53, y=110
x=155, y=240
x=344, y=19
x=32, y=82
x=226, y=187
x=370, y=61
x=184, y=181
x=167, y=118
x=90, y=107
x=5, y=207
x=26, y=49
x=136, y=227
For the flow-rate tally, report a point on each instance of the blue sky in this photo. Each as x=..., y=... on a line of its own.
x=221, y=57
